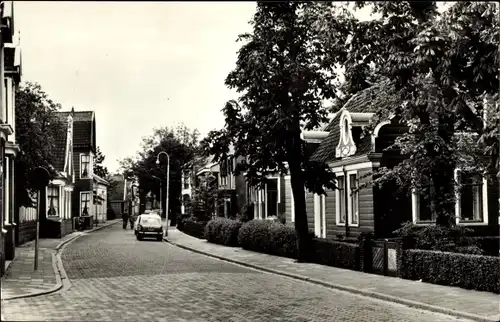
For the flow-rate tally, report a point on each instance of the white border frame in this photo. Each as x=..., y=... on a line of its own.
x=338, y=215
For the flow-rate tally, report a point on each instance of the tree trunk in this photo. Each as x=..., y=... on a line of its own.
x=298, y=190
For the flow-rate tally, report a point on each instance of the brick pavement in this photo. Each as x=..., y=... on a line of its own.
x=22, y=280
x=452, y=300
x=114, y=277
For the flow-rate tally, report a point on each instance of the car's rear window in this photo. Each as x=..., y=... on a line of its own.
x=150, y=220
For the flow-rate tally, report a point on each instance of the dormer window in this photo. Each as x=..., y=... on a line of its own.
x=346, y=130
x=346, y=146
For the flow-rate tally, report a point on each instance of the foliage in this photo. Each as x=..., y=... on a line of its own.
x=269, y=237
x=223, y=231
x=282, y=89
x=441, y=66
x=463, y=270
x=205, y=195
x=99, y=169
x=247, y=212
x=455, y=239
x=192, y=227
x=37, y=127
x=181, y=145
x=338, y=254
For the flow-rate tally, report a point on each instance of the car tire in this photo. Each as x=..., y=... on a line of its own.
x=139, y=237
x=159, y=238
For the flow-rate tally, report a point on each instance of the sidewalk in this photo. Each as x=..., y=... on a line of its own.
x=22, y=281
x=479, y=306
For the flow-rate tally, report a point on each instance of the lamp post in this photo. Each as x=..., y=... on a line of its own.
x=40, y=180
x=168, y=184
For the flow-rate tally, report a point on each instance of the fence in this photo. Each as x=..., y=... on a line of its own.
x=381, y=257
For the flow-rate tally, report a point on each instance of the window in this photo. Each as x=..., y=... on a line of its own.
x=346, y=130
x=340, y=200
x=353, y=199
x=52, y=201
x=471, y=197
x=186, y=182
x=85, y=170
x=85, y=203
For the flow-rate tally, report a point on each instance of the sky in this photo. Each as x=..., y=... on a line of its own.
x=138, y=65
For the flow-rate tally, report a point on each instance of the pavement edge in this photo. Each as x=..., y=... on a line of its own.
x=62, y=280
x=380, y=296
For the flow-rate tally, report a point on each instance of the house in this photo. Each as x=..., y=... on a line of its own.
x=84, y=149
x=355, y=157
x=100, y=189
x=10, y=73
x=117, y=194
x=56, y=202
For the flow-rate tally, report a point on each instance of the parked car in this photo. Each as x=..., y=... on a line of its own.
x=148, y=225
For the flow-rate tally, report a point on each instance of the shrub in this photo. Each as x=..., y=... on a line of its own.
x=282, y=218
x=463, y=270
x=192, y=227
x=246, y=213
x=269, y=237
x=336, y=253
x=455, y=239
x=223, y=231
x=490, y=245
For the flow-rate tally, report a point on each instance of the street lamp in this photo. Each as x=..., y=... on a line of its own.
x=168, y=183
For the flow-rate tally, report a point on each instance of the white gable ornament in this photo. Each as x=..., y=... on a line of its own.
x=346, y=146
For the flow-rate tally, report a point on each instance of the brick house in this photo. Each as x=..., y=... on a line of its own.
x=118, y=194
x=353, y=157
x=84, y=149
x=10, y=73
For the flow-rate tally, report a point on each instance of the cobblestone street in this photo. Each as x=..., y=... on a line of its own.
x=114, y=277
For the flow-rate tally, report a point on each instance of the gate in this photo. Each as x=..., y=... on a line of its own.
x=384, y=254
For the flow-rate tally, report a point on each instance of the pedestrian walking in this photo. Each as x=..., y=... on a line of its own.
x=125, y=219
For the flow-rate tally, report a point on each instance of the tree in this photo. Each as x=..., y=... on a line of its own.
x=205, y=196
x=180, y=144
x=441, y=66
x=282, y=87
x=37, y=127
x=99, y=169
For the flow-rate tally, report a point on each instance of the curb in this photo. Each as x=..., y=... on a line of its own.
x=380, y=296
x=57, y=265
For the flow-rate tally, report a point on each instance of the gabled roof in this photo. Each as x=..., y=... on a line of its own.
x=60, y=146
x=83, y=128
x=369, y=100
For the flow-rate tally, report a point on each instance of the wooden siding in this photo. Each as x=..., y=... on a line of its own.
x=366, y=213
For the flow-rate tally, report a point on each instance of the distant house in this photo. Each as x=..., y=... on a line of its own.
x=117, y=194
x=56, y=201
x=84, y=149
x=100, y=193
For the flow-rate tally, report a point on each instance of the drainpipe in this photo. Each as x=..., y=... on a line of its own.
x=346, y=200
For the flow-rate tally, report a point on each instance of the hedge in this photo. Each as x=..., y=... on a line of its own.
x=223, y=231
x=468, y=271
x=269, y=237
x=336, y=253
x=192, y=227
